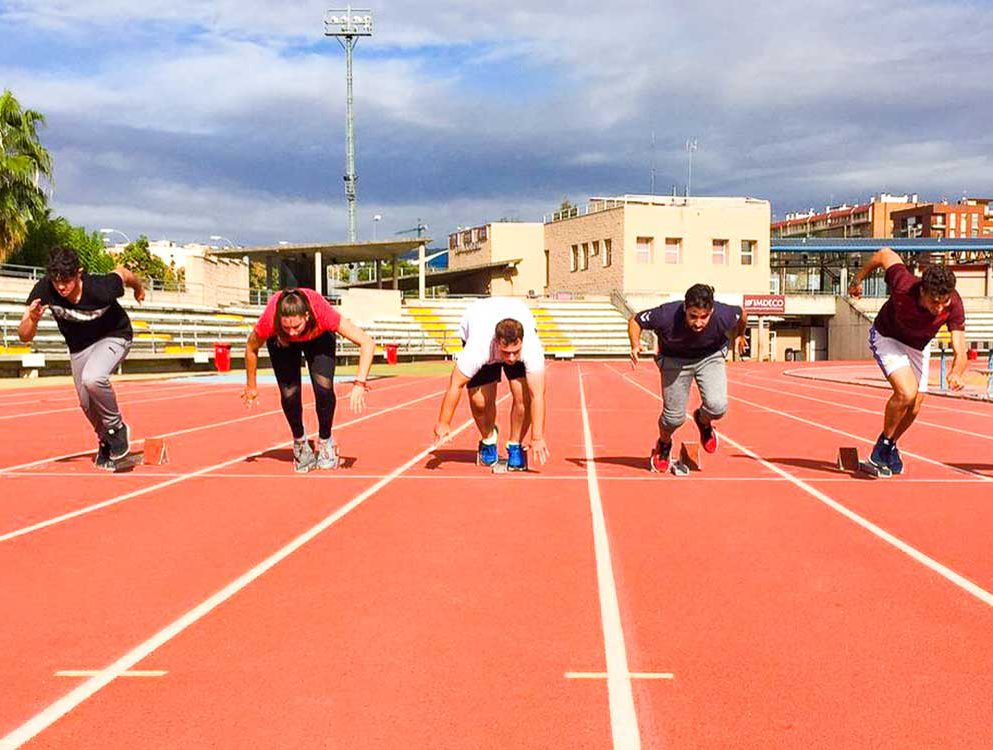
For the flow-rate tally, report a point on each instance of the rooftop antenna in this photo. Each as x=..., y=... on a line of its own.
x=691, y=146
x=653, y=162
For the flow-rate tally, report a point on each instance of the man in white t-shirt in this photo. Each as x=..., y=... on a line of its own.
x=499, y=334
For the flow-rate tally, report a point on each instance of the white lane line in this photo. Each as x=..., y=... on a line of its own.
x=886, y=389
x=95, y=672
x=55, y=711
x=859, y=438
x=869, y=441
x=877, y=393
x=623, y=718
x=191, y=475
x=875, y=412
x=171, y=396
x=915, y=554
x=531, y=476
x=188, y=430
x=632, y=675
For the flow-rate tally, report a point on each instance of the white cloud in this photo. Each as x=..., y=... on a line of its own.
x=792, y=102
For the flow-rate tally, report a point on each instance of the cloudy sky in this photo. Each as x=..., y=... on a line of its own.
x=186, y=118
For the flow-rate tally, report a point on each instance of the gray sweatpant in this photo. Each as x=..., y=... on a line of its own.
x=91, y=371
x=677, y=376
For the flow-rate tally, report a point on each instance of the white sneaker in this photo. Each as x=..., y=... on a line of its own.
x=303, y=456
x=327, y=454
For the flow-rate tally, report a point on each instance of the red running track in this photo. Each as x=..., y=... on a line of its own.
x=411, y=599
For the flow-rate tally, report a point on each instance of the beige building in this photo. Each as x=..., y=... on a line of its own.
x=641, y=244
x=501, y=258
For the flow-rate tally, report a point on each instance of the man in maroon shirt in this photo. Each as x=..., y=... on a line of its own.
x=900, y=340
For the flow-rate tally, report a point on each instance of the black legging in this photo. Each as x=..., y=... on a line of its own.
x=319, y=353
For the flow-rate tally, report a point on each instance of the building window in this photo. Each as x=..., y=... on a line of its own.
x=748, y=252
x=643, y=252
x=719, y=254
x=584, y=257
x=595, y=248
x=605, y=258
x=574, y=258
x=453, y=241
x=482, y=234
x=673, y=250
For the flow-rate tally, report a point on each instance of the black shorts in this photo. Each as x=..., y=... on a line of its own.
x=491, y=373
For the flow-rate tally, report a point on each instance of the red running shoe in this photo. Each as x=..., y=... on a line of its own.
x=708, y=435
x=658, y=462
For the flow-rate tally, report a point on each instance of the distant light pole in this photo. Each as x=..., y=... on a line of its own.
x=375, y=220
x=108, y=230
x=690, y=148
x=347, y=26
x=218, y=237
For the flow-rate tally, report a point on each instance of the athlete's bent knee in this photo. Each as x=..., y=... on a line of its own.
x=715, y=409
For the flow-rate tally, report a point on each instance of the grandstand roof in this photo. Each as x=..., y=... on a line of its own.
x=871, y=245
x=332, y=252
x=446, y=276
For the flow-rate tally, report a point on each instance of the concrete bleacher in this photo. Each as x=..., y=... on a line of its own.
x=567, y=328
x=978, y=320
x=174, y=337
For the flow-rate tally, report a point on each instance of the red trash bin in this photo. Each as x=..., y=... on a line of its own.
x=972, y=354
x=222, y=356
x=391, y=354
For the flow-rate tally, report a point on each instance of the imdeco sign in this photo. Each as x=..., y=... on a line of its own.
x=764, y=304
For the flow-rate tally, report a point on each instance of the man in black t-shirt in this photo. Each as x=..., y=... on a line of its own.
x=98, y=333
x=693, y=338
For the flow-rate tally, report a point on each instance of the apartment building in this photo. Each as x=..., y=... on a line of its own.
x=870, y=219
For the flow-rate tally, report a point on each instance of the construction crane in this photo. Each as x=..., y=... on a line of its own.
x=419, y=229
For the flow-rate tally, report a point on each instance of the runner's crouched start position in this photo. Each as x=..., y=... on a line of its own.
x=499, y=334
x=98, y=333
x=900, y=340
x=301, y=321
x=693, y=341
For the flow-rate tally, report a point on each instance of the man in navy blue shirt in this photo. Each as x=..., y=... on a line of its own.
x=693, y=338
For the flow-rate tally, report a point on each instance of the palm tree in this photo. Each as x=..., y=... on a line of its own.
x=25, y=171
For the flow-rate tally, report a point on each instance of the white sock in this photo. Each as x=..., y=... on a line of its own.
x=492, y=439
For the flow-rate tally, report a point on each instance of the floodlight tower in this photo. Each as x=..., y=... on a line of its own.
x=347, y=26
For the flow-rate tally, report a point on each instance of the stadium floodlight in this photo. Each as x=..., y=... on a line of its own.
x=348, y=22
x=218, y=237
x=346, y=26
x=109, y=230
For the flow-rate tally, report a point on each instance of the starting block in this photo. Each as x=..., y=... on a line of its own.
x=689, y=460
x=848, y=460
x=689, y=454
x=153, y=453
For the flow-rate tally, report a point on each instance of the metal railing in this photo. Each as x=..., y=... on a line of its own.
x=21, y=272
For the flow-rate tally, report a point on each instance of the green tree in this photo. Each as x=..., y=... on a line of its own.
x=137, y=258
x=256, y=276
x=45, y=233
x=25, y=169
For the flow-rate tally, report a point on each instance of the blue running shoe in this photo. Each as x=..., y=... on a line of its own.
x=517, y=458
x=880, y=456
x=895, y=461
x=487, y=454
